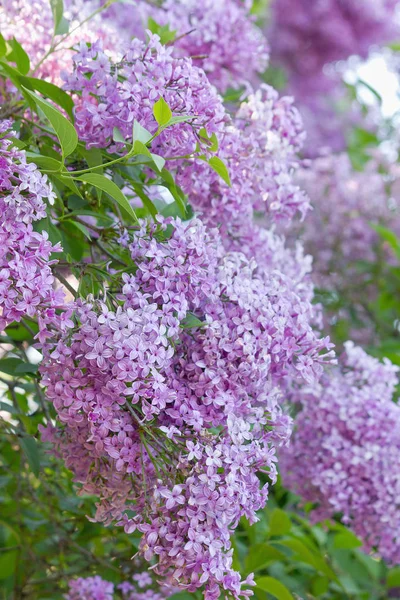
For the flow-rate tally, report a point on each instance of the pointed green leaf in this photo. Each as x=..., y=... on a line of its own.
x=51, y=91
x=30, y=449
x=140, y=134
x=65, y=131
x=219, y=167
x=279, y=523
x=60, y=23
x=3, y=47
x=109, y=187
x=19, y=56
x=274, y=587
x=159, y=161
x=162, y=112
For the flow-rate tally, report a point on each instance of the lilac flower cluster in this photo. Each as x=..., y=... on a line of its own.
x=259, y=149
x=26, y=279
x=142, y=587
x=171, y=418
x=220, y=35
x=345, y=452
x=114, y=95
x=32, y=24
x=305, y=36
x=345, y=202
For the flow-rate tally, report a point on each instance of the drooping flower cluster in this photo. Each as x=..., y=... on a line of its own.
x=346, y=203
x=259, y=149
x=115, y=95
x=26, y=279
x=345, y=451
x=142, y=587
x=220, y=35
x=305, y=36
x=169, y=403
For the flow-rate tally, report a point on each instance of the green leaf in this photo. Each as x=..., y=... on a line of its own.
x=166, y=34
x=279, y=523
x=274, y=587
x=191, y=322
x=19, y=56
x=219, y=167
x=393, y=578
x=117, y=136
x=388, y=236
x=159, y=161
x=140, y=134
x=9, y=365
x=304, y=554
x=52, y=92
x=162, y=112
x=211, y=141
x=261, y=555
x=3, y=47
x=320, y=585
x=346, y=541
x=30, y=449
x=26, y=368
x=65, y=131
x=109, y=187
x=140, y=148
x=60, y=23
x=8, y=562
x=81, y=228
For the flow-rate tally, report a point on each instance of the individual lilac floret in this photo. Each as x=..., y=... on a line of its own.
x=345, y=452
x=26, y=279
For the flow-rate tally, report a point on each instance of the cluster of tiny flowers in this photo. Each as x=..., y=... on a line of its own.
x=345, y=452
x=142, y=587
x=169, y=403
x=307, y=35
x=346, y=203
x=219, y=34
x=259, y=149
x=26, y=279
x=116, y=94
x=32, y=24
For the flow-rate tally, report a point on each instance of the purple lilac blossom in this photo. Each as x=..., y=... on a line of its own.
x=220, y=35
x=26, y=279
x=116, y=95
x=141, y=587
x=174, y=423
x=345, y=453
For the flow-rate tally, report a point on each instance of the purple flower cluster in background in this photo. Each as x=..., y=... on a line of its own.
x=141, y=587
x=345, y=453
x=219, y=35
x=305, y=36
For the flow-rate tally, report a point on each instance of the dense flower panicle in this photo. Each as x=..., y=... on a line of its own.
x=345, y=204
x=26, y=279
x=31, y=22
x=259, y=149
x=345, y=453
x=220, y=35
x=170, y=404
x=115, y=95
x=307, y=35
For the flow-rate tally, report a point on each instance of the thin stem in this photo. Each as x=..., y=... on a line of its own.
x=65, y=283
